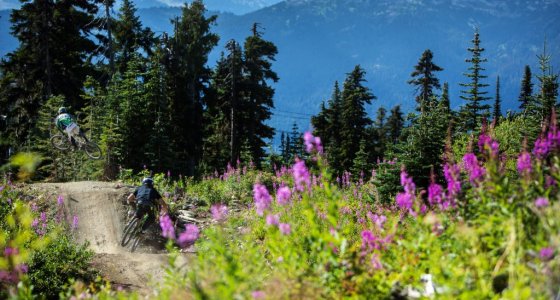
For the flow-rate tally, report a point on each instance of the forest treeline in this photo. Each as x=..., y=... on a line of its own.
x=151, y=101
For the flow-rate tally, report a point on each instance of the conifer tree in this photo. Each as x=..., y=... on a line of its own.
x=546, y=99
x=353, y=115
x=158, y=146
x=320, y=124
x=295, y=144
x=497, y=104
x=526, y=89
x=223, y=139
x=378, y=135
x=445, y=97
x=472, y=112
x=361, y=162
x=188, y=78
x=258, y=100
x=130, y=36
x=423, y=145
x=327, y=125
x=424, y=79
x=50, y=60
x=286, y=150
x=395, y=124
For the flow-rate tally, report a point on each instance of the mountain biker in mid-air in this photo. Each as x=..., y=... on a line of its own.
x=66, y=123
x=147, y=198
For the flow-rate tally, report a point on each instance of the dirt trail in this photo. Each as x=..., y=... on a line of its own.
x=101, y=212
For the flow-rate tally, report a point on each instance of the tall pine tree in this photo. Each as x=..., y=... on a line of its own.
x=525, y=96
x=546, y=99
x=129, y=36
x=472, y=112
x=188, y=77
x=497, y=104
x=353, y=116
x=424, y=79
x=258, y=100
x=395, y=124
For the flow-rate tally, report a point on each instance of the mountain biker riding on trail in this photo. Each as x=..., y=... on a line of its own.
x=147, y=197
x=66, y=123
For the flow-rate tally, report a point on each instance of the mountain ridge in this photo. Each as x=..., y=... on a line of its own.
x=319, y=41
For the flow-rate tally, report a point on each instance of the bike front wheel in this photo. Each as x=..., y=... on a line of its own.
x=60, y=142
x=92, y=150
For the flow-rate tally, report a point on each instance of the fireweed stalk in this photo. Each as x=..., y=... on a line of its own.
x=405, y=200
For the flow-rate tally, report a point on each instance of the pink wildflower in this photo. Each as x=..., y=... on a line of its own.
x=435, y=193
x=258, y=295
x=376, y=262
x=486, y=143
x=189, y=236
x=60, y=200
x=75, y=222
x=283, y=195
x=549, y=181
x=262, y=198
x=542, y=147
x=219, y=211
x=524, y=163
x=370, y=241
x=379, y=220
x=9, y=251
x=546, y=253
x=475, y=171
x=167, y=229
x=272, y=220
x=285, y=228
x=451, y=173
x=406, y=200
x=301, y=175
x=312, y=142
x=541, y=202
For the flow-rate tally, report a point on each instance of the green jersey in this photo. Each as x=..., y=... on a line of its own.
x=63, y=121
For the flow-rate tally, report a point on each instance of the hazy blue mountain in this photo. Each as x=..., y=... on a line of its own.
x=319, y=41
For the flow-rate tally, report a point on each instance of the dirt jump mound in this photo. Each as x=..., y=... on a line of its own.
x=100, y=208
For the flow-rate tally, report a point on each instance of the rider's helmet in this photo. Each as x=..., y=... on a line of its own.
x=62, y=110
x=148, y=181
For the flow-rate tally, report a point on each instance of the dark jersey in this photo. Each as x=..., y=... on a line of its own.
x=146, y=195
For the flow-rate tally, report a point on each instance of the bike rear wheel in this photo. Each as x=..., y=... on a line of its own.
x=60, y=142
x=92, y=150
x=131, y=229
x=135, y=242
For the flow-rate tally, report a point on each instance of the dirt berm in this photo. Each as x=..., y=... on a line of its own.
x=101, y=211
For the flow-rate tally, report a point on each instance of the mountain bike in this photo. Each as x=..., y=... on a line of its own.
x=61, y=142
x=132, y=233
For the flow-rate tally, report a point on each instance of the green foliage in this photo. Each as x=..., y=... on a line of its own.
x=39, y=257
x=422, y=149
x=338, y=247
x=51, y=267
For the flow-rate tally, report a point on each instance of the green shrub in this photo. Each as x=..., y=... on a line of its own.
x=52, y=267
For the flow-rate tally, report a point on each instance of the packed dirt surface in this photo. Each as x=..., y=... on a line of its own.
x=101, y=211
